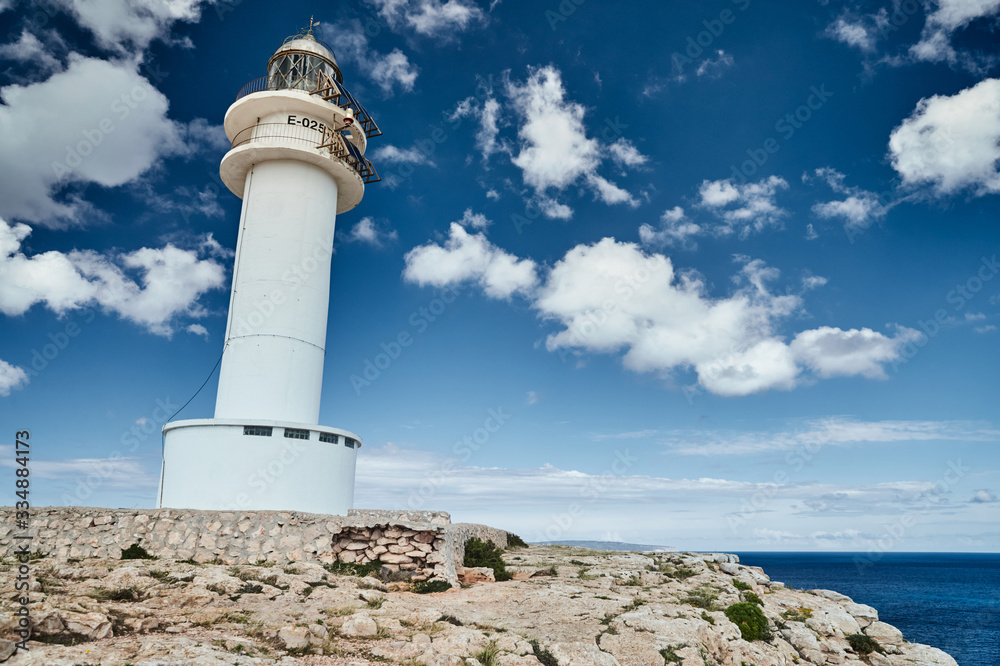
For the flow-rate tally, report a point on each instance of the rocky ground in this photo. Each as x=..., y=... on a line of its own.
x=566, y=606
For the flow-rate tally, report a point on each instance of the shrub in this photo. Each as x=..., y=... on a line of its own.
x=740, y=585
x=352, y=568
x=489, y=655
x=514, y=541
x=250, y=588
x=429, y=586
x=543, y=655
x=800, y=614
x=751, y=597
x=708, y=618
x=864, y=645
x=479, y=553
x=131, y=593
x=703, y=596
x=136, y=552
x=751, y=621
x=670, y=656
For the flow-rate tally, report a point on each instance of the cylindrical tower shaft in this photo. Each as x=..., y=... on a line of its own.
x=272, y=365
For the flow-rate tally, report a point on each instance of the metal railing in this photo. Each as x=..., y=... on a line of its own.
x=329, y=142
x=325, y=87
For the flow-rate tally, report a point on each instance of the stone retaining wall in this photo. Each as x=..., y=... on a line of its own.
x=424, y=543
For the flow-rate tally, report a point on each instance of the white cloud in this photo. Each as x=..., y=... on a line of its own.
x=714, y=66
x=131, y=24
x=944, y=18
x=197, y=329
x=815, y=434
x=859, y=209
x=951, y=143
x=854, y=31
x=625, y=153
x=170, y=283
x=555, y=151
x=983, y=497
x=488, y=115
x=474, y=220
x=368, y=231
x=811, y=232
x=982, y=330
x=832, y=352
x=469, y=257
x=533, y=398
x=675, y=230
x=430, y=18
x=743, y=208
x=11, y=377
x=118, y=131
x=387, y=70
x=29, y=49
x=394, y=155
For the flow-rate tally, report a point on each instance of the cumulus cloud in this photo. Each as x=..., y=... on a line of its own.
x=474, y=220
x=466, y=257
x=675, y=230
x=394, y=155
x=197, y=329
x=488, y=114
x=388, y=71
x=123, y=25
x=430, y=18
x=554, y=150
x=858, y=31
x=368, y=231
x=29, y=49
x=118, y=131
x=11, y=377
x=624, y=153
x=169, y=285
x=944, y=18
x=983, y=497
x=859, y=208
x=743, y=208
x=951, y=143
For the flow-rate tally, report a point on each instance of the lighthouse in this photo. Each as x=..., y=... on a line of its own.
x=297, y=161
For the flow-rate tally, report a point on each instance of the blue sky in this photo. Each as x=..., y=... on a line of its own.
x=725, y=271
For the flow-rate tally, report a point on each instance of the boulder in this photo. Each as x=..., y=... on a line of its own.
x=471, y=575
x=884, y=633
x=359, y=625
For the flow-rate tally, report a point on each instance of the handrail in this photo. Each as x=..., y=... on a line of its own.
x=331, y=140
x=335, y=93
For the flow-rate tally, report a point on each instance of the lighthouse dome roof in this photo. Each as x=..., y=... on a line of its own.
x=306, y=43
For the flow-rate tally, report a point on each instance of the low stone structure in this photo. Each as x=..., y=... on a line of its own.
x=424, y=543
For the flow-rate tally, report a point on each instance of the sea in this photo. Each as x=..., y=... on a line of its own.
x=948, y=600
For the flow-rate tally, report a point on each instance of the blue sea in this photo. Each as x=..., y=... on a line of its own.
x=948, y=600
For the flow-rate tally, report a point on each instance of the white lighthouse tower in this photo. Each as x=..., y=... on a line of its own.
x=297, y=160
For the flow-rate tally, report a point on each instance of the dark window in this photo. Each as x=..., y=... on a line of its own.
x=350, y=443
x=328, y=438
x=259, y=431
x=295, y=433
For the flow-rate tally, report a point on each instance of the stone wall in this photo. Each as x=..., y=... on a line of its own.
x=424, y=543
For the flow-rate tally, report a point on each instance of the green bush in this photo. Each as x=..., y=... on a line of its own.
x=751, y=621
x=864, y=645
x=479, y=553
x=136, y=552
x=751, y=597
x=353, y=568
x=543, y=655
x=514, y=541
x=740, y=585
x=428, y=586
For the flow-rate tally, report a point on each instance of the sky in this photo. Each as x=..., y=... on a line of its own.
x=714, y=275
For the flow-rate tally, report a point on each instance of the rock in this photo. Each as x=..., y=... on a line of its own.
x=93, y=626
x=294, y=638
x=864, y=614
x=359, y=625
x=884, y=633
x=804, y=641
x=879, y=659
x=370, y=583
x=459, y=641
x=471, y=575
x=7, y=649
x=581, y=654
x=371, y=595
x=729, y=568
x=833, y=621
x=924, y=655
x=831, y=595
